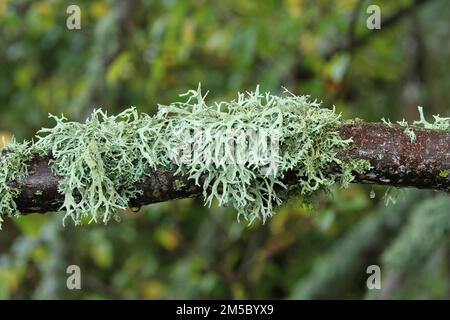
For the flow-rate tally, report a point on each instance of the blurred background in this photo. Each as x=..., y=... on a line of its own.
x=146, y=52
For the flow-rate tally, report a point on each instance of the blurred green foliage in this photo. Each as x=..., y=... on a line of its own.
x=146, y=52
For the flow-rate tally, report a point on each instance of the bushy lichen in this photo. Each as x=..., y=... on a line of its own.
x=439, y=123
x=102, y=159
x=12, y=167
x=179, y=185
x=409, y=132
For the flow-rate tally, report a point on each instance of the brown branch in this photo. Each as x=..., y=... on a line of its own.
x=395, y=159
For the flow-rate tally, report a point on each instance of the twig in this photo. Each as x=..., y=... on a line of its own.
x=396, y=161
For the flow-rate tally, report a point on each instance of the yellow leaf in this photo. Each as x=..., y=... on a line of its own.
x=153, y=290
x=24, y=75
x=39, y=253
x=121, y=68
x=99, y=8
x=10, y=279
x=3, y=5
x=167, y=238
x=294, y=7
x=44, y=8
x=102, y=254
x=5, y=138
x=188, y=32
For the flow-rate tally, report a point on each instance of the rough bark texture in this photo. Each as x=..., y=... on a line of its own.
x=395, y=159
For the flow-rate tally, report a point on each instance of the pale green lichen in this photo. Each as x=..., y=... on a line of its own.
x=179, y=185
x=409, y=132
x=102, y=159
x=440, y=123
x=386, y=122
x=12, y=167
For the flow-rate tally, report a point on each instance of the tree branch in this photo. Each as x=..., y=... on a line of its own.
x=395, y=159
x=356, y=42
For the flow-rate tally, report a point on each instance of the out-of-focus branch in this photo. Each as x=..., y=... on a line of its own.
x=359, y=41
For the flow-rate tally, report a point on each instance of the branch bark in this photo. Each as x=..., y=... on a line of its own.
x=395, y=159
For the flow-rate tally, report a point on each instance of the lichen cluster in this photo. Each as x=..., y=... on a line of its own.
x=439, y=123
x=102, y=159
x=12, y=167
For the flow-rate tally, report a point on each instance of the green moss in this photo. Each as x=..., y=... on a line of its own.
x=444, y=173
x=179, y=184
x=102, y=159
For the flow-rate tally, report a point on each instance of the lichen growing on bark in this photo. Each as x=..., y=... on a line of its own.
x=102, y=159
x=439, y=123
x=13, y=166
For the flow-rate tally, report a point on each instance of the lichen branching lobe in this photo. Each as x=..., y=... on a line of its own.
x=101, y=160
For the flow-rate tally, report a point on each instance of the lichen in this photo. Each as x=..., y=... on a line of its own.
x=440, y=123
x=102, y=159
x=179, y=185
x=12, y=167
x=387, y=122
x=409, y=132
x=444, y=173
